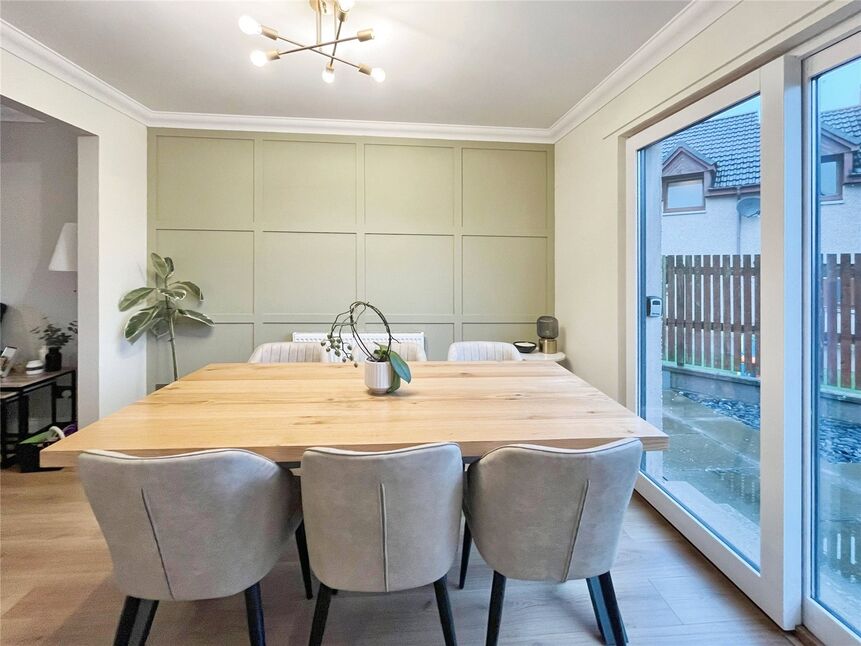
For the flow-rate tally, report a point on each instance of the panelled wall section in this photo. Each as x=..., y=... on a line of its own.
x=450, y=238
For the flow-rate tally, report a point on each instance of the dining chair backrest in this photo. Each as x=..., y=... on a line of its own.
x=287, y=352
x=194, y=526
x=483, y=351
x=542, y=513
x=380, y=522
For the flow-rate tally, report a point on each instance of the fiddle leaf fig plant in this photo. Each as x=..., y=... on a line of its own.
x=349, y=320
x=162, y=306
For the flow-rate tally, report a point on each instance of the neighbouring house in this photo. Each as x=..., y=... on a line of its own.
x=711, y=175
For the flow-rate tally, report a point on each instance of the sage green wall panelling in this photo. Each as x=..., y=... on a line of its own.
x=308, y=185
x=199, y=345
x=282, y=231
x=505, y=276
x=220, y=262
x=305, y=273
x=504, y=190
x=409, y=188
x=499, y=332
x=204, y=182
x=410, y=274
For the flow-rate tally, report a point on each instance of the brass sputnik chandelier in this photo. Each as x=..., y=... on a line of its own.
x=340, y=10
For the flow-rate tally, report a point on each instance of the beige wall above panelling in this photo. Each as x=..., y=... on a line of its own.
x=453, y=239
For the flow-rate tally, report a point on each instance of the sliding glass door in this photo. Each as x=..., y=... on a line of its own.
x=701, y=364
x=834, y=438
x=744, y=330
x=714, y=323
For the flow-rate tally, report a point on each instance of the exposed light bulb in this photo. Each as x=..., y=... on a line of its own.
x=329, y=74
x=249, y=26
x=346, y=5
x=259, y=57
x=378, y=74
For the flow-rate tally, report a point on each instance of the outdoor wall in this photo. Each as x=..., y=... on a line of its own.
x=717, y=230
x=111, y=249
x=591, y=182
x=282, y=232
x=38, y=194
x=841, y=222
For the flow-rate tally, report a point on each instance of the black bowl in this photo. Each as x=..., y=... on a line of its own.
x=525, y=347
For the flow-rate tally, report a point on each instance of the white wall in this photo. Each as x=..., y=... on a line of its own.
x=38, y=194
x=120, y=231
x=590, y=171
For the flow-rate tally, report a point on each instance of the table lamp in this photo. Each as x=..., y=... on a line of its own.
x=548, y=330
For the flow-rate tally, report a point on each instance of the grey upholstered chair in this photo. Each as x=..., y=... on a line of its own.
x=287, y=352
x=382, y=522
x=194, y=526
x=483, y=351
x=545, y=514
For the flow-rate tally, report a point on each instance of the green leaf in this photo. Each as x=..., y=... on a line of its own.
x=396, y=383
x=400, y=366
x=169, y=263
x=140, y=323
x=196, y=316
x=160, y=265
x=190, y=287
x=134, y=297
x=176, y=294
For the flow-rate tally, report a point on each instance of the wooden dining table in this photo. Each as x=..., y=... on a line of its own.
x=280, y=410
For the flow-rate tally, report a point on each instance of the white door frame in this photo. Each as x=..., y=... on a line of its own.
x=816, y=617
x=776, y=586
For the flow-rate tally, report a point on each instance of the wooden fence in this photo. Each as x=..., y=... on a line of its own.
x=712, y=315
x=840, y=320
x=711, y=318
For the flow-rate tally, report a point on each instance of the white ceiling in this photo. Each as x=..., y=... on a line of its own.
x=504, y=64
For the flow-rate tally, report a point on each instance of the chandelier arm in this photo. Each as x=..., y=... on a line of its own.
x=317, y=51
x=303, y=48
x=335, y=46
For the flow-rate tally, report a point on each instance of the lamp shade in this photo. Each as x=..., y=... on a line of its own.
x=65, y=256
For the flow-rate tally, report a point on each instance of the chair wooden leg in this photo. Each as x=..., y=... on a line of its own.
x=497, y=596
x=135, y=622
x=321, y=612
x=614, y=615
x=302, y=546
x=254, y=612
x=440, y=587
x=464, y=554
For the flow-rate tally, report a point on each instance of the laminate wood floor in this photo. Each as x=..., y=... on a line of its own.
x=56, y=588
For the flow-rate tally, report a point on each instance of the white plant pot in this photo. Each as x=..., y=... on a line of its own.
x=378, y=376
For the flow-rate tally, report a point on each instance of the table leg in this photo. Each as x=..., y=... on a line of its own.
x=55, y=392
x=74, y=377
x=23, y=416
x=4, y=439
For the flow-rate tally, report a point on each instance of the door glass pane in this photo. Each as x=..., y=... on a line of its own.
x=699, y=358
x=837, y=345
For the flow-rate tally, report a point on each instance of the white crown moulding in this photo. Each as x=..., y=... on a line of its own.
x=684, y=26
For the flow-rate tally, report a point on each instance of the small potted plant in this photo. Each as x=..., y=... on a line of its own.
x=163, y=307
x=385, y=369
x=54, y=339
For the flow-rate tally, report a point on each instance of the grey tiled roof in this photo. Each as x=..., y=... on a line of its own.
x=732, y=143
x=846, y=122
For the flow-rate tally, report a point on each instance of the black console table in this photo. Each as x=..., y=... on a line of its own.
x=16, y=389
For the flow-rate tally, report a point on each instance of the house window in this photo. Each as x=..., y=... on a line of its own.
x=831, y=178
x=684, y=194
